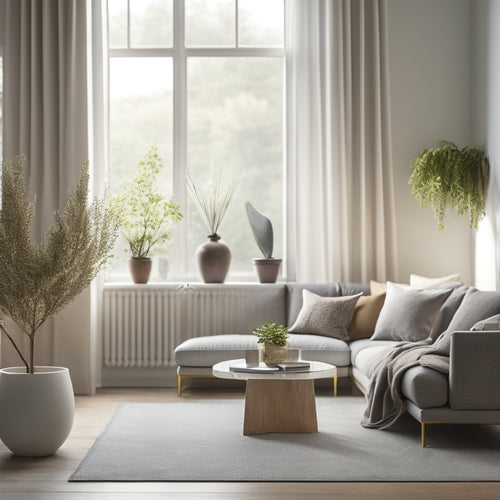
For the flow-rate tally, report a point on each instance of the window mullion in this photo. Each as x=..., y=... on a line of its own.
x=179, y=264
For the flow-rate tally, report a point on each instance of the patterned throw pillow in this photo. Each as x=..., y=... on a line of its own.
x=327, y=316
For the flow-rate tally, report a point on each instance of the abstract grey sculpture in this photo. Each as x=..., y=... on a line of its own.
x=262, y=230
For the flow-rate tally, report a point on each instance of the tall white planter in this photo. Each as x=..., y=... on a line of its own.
x=36, y=410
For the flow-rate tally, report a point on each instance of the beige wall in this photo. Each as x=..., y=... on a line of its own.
x=430, y=78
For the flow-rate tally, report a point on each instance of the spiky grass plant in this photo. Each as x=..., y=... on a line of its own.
x=213, y=201
x=147, y=216
x=448, y=176
x=41, y=278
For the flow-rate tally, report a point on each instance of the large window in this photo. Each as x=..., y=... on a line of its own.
x=1, y=106
x=203, y=81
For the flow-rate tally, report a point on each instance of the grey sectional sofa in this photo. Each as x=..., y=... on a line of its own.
x=469, y=394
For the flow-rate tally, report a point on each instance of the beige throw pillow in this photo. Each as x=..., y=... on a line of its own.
x=327, y=316
x=365, y=316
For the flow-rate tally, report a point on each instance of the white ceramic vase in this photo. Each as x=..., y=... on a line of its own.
x=36, y=410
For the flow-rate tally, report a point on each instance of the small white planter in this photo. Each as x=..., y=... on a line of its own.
x=36, y=410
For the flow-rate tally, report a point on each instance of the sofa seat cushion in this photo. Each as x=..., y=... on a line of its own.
x=209, y=350
x=318, y=348
x=359, y=345
x=423, y=386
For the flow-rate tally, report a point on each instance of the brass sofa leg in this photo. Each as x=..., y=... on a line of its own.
x=335, y=385
x=422, y=432
x=179, y=385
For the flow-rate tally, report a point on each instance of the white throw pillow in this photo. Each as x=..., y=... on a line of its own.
x=417, y=281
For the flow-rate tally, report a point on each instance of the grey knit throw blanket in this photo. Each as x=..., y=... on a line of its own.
x=384, y=399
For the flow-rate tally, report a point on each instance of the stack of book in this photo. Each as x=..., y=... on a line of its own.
x=293, y=366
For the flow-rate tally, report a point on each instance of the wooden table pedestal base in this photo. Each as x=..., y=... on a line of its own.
x=279, y=406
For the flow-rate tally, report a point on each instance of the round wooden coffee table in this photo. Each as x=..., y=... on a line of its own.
x=278, y=401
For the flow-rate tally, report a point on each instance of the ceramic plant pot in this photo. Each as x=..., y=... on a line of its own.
x=37, y=409
x=267, y=269
x=213, y=258
x=275, y=354
x=140, y=269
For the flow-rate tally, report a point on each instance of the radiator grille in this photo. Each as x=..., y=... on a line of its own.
x=142, y=326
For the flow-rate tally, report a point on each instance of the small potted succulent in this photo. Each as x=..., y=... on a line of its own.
x=147, y=216
x=267, y=268
x=273, y=338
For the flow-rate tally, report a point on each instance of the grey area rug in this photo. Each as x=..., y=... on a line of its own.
x=203, y=441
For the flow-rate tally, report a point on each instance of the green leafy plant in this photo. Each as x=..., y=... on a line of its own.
x=448, y=176
x=147, y=216
x=213, y=201
x=271, y=333
x=39, y=279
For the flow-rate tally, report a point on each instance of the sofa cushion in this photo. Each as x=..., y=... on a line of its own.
x=417, y=281
x=365, y=316
x=206, y=351
x=425, y=387
x=448, y=310
x=327, y=316
x=294, y=296
x=475, y=306
x=367, y=355
x=408, y=314
x=350, y=288
x=359, y=345
x=319, y=348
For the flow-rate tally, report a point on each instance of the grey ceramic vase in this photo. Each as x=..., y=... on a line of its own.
x=213, y=259
x=140, y=269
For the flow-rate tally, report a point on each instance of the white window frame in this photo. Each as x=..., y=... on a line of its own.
x=180, y=54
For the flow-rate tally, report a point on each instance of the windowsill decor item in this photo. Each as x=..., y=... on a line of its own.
x=38, y=280
x=147, y=216
x=448, y=176
x=267, y=268
x=214, y=256
x=273, y=337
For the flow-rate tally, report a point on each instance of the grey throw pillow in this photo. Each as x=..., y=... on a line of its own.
x=477, y=305
x=409, y=314
x=328, y=316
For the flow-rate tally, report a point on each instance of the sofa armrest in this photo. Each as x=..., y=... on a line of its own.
x=475, y=370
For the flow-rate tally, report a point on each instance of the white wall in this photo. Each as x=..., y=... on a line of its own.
x=486, y=132
x=430, y=67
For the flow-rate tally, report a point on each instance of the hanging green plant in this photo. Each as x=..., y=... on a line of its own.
x=448, y=176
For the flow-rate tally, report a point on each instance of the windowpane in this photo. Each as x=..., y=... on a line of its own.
x=210, y=22
x=140, y=116
x=1, y=108
x=235, y=121
x=117, y=19
x=151, y=23
x=260, y=22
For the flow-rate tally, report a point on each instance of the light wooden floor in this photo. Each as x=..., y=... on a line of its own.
x=47, y=478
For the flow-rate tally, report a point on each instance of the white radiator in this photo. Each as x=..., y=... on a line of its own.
x=142, y=326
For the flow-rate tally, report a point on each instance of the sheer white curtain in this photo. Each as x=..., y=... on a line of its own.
x=341, y=220
x=50, y=84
